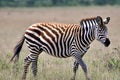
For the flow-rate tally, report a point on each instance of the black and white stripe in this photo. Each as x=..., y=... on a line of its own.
x=61, y=40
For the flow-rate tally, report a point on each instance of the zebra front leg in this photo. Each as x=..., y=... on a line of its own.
x=75, y=68
x=84, y=67
x=27, y=62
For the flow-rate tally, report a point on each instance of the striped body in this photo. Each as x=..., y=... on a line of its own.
x=62, y=40
x=55, y=39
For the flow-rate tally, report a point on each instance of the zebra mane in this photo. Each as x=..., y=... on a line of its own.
x=87, y=19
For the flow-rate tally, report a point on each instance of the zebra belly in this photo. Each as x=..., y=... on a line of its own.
x=58, y=54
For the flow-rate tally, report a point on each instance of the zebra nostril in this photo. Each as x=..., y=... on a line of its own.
x=107, y=42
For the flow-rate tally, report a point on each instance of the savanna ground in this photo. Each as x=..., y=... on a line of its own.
x=103, y=63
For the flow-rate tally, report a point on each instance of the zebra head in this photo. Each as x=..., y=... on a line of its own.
x=101, y=30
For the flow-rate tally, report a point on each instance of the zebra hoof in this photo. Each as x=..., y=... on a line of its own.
x=23, y=78
x=72, y=78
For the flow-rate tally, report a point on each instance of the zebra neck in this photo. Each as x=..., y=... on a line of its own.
x=87, y=35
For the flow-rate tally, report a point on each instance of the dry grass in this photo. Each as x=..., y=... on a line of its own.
x=14, y=21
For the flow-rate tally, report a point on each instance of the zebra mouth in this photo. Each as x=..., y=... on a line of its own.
x=107, y=42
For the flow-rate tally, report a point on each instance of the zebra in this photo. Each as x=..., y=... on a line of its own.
x=62, y=41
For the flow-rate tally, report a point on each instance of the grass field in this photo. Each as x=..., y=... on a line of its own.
x=103, y=63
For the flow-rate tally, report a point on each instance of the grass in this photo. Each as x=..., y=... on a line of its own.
x=103, y=63
x=51, y=68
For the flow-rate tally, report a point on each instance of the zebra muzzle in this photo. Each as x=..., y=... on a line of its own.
x=107, y=42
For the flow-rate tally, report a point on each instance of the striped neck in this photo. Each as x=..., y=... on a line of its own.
x=88, y=30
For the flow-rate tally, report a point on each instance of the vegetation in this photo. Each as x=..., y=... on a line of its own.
x=103, y=63
x=112, y=62
x=50, y=68
x=38, y=3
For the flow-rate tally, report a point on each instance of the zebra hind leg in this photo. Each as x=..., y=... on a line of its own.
x=27, y=62
x=32, y=57
x=34, y=64
x=34, y=67
x=75, y=68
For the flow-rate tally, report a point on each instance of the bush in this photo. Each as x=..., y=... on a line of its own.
x=37, y=3
x=112, y=60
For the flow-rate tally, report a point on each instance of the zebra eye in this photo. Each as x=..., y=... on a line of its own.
x=100, y=29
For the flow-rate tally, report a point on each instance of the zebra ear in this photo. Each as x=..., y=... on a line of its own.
x=106, y=21
x=99, y=20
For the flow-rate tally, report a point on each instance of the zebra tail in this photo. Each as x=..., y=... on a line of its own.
x=17, y=50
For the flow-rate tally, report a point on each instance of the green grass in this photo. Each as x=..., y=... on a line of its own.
x=51, y=68
x=103, y=63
